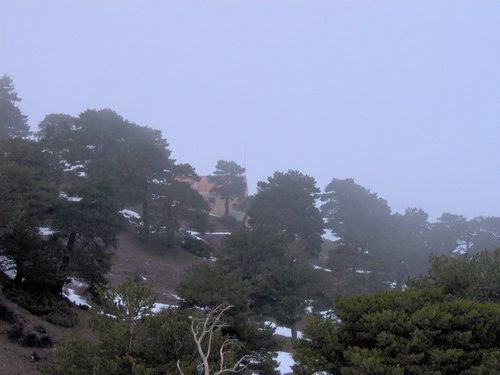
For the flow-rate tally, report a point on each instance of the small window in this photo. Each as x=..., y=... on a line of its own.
x=211, y=200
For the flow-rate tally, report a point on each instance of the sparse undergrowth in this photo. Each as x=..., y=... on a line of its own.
x=46, y=305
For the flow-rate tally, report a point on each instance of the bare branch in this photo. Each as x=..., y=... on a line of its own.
x=212, y=323
x=179, y=367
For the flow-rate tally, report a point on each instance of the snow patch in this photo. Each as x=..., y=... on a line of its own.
x=322, y=268
x=8, y=266
x=282, y=331
x=45, y=231
x=130, y=214
x=195, y=235
x=176, y=297
x=158, y=306
x=286, y=362
x=70, y=294
x=362, y=271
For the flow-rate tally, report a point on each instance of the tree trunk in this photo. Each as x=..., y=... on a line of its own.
x=226, y=207
x=293, y=328
x=145, y=212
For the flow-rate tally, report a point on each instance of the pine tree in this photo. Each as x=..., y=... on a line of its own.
x=12, y=122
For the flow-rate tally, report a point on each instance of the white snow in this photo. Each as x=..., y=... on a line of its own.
x=322, y=269
x=8, y=266
x=78, y=283
x=158, y=306
x=195, y=235
x=286, y=362
x=282, y=331
x=75, y=298
x=45, y=231
x=362, y=271
x=220, y=233
x=71, y=199
x=129, y=214
x=73, y=167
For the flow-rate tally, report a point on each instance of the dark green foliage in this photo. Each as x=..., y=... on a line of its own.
x=209, y=286
x=402, y=332
x=45, y=304
x=287, y=202
x=57, y=136
x=132, y=341
x=375, y=247
x=63, y=315
x=471, y=276
x=229, y=182
x=36, y=339
x=12, y=122
x=256, y=276
x=175, y=205
x=196, y=247
x=88, y=229
x=360, y=218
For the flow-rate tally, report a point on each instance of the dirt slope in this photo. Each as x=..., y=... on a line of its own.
x=162, y=267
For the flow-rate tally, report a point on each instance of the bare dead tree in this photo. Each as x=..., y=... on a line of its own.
x=204, y=329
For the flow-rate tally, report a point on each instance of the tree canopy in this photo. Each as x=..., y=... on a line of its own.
x=286, y=201
x=12, y=122
x=229, y=182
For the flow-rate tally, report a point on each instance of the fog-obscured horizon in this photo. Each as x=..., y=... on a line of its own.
x=401, y=96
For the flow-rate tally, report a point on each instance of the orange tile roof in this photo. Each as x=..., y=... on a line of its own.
x=204, y=186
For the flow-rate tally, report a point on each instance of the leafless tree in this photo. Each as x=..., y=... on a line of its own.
x=204, y=330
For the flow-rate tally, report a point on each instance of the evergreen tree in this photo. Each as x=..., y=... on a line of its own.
x=287, y=202
x=56, y=134
x=207, y=286
x=403, y=332
x=30, y=195
x=229, y=182
x=279, y=284
x=12, y=122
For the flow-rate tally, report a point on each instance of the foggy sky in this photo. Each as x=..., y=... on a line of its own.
x=403, y=96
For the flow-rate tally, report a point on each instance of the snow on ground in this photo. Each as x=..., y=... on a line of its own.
x=285, y=362
x=362, y=271
x=176, y=297
x=8, y=266
x=158, y=306
x=129, y=214
x=195, y=235
x=321, y=268
x=45, y=231
x=70, y=294
x=71, y=199
x=71, y=168
x=282, y=331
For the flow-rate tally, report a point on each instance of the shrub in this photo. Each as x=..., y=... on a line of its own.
x=47, y=305
x=62, y=315
x=196, y=247
x=6, y=314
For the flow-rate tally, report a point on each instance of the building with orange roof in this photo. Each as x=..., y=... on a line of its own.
x=204, y=187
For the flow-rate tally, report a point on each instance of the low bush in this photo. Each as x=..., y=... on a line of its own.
x=196, y=247
x=52, y=308
x=30, y=339
x=6, y=314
